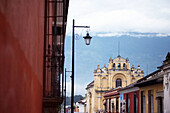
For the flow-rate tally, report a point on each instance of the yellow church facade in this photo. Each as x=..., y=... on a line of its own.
x=118, y=73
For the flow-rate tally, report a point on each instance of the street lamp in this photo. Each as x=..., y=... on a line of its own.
x=87, y=40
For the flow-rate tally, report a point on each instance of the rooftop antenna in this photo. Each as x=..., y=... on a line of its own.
x=147, y=69
x=118, y=48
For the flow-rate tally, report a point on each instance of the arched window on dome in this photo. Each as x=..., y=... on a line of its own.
x=124, y=66
x=118, y=82
x=114, y=66
x=118, y=66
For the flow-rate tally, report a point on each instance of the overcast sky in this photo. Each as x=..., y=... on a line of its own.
x=108, y=18
x=121, y=15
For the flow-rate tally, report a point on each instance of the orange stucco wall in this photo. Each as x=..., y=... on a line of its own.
x=21, y=56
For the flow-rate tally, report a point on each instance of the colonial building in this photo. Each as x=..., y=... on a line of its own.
x=118, y=73
x=144, y=96
x=32, y=38
x=151, y=92
x=166, y=83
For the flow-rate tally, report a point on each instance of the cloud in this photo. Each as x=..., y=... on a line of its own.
x=131, y=34
x=121, y=15
x=134, y=18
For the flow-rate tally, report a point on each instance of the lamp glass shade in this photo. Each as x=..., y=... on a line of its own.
x=87, y=39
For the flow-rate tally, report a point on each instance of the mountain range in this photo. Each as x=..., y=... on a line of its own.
x=145, y=49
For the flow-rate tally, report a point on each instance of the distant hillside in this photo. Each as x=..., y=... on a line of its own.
x=145, y=49
x=76, y=99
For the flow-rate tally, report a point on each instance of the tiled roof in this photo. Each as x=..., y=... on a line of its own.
x=111, y=94
x=90, y=84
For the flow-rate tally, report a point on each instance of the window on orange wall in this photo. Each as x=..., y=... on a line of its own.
x=150, y=101
x=142, y=102
x=160, y=104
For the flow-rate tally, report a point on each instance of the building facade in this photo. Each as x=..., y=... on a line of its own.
x=151, y=93
x=111, y=101
x=90, y=97
x=166, y=83
x=29, y=82
x=81, y=105
x=129, y=102
x=53, y=66
x=119, y=73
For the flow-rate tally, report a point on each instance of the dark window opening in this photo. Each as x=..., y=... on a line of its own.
x=117, y=106
x=135, y=103
x=160, y=105
x=109, y=105
x=127, y=103
x=56, y=30
x=112, y=107
x=150, y=102
x=114, y=66
x=105, y=105
x=118, y=82
x=142, y=102
x=124, y=66
x=119, y=66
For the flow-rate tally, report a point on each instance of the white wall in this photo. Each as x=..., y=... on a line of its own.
x=167, y=91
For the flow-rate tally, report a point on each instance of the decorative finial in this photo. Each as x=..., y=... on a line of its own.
x=110, y=60
x=139, y=67
x=118, y=56
x=168, y=56
x=127, y=59
x=133, y=67
x=98, y=66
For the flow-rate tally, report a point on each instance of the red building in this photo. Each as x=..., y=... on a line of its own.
x=27, y=45
x=131, y=99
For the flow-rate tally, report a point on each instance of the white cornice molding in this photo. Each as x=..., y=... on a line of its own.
x=129, y=90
